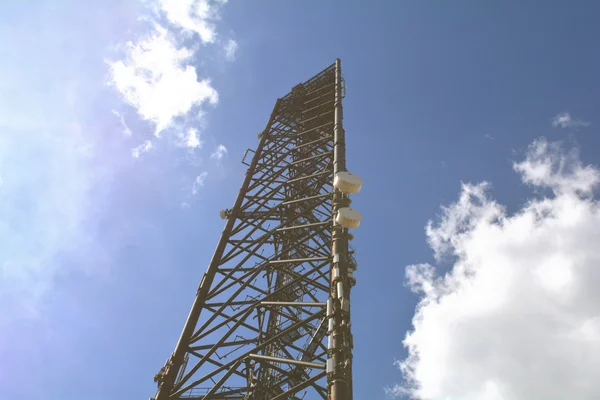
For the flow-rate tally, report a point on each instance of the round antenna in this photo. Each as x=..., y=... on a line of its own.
x=347, y=183
x=223, y=214
x=348, y=218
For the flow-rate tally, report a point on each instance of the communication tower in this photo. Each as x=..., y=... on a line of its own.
x=271, y=317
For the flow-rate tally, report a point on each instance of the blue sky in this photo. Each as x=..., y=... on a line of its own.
x=111, y=181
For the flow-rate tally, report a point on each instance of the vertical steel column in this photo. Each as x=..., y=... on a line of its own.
x=176, y=360
x=340, y=351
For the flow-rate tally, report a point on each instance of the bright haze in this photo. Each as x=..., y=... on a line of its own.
x=122, y=128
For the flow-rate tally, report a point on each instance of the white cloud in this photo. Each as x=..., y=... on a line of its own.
x=546, y=165
x=490, y=137
x=199, y=182
x=564, y=120
x=192, y=140
x=518, y=315
x=126, y=130
x=158, y=80
x=219, y=153
x=230, y=49
x=197, y=16
x=142, y=148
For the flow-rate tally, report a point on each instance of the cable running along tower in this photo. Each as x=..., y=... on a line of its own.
x=271, y=317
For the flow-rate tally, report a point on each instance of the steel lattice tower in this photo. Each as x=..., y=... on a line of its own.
x=271, y=317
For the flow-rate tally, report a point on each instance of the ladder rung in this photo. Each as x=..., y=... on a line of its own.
x=319, y=89
x=298, y=260
x=308, y=176
x=311, y=158
x=317, y=106
x=324, y=138
x=291, y=303
x=315, y=117
x=287, y=228
x=285, y=203
x=306, y=131
x=287, y=361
